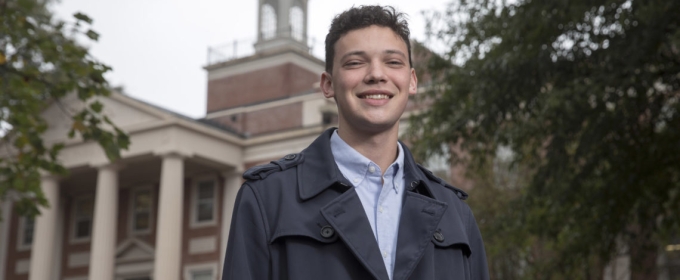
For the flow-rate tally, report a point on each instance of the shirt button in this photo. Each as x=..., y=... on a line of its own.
x=371, y=169
x=380, y=209
x=384, y=254
x=356, y=180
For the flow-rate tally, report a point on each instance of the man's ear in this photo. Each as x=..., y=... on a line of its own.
x=413, y=85
x=327, y=85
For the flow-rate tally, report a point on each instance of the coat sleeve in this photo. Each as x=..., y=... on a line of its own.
x=478, y=266
x=247, y=256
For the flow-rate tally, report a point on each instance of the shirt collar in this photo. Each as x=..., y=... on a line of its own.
x=399, y=170
x=320, y=171
x=353, y=164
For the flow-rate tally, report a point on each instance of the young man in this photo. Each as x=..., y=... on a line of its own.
x=354, y=204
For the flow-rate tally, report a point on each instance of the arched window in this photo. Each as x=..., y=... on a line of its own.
x=296, y=23
x=268, y=22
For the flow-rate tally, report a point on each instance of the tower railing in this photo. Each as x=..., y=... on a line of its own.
x=245, y=47
x=230, y=51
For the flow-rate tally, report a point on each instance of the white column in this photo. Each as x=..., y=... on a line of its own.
x=283, y=19
x=59, y=235
x=167, y=263
x=103, y=247
x=42, y=250
x=232, y=183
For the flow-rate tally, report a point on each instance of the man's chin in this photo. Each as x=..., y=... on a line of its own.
x=375, y=127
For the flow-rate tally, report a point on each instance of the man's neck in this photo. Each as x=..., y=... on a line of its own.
x=380, y=148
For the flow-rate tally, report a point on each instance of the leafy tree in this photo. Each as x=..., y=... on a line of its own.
x=40, y=63
x=586, y=95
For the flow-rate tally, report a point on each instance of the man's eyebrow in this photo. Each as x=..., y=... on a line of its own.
x=363, y=53
x=359, y=53
x=397, y=52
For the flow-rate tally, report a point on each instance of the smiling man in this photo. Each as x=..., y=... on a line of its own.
x=354, y=204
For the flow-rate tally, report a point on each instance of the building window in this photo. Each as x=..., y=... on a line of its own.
x=204, y=202
x=268, y=23
x=202, y=275
x=82, y=218
x=296, y=23
x=142, y=205
x=205, y=271
x=26, y=229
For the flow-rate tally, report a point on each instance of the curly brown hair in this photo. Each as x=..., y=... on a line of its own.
x=365, y=16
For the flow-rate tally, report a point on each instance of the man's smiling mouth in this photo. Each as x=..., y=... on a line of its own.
x=375, y=96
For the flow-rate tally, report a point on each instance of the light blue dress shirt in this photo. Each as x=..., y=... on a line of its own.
x=382, y=201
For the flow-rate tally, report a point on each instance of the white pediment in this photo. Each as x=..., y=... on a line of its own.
x=152, y=131
x=126, y=112
x=134, y=249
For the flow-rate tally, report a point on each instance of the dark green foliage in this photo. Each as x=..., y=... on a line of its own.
x=41, y=63
x=586, y=94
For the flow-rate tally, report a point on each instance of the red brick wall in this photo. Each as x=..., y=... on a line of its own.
x=234, y=121
x=258, y=86
x=274, y=119
x=266, y=120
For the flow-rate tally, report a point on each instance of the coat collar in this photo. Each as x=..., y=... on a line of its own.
x=319, y=168
x=320, y=172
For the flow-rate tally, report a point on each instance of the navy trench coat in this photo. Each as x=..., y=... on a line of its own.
x=298, y=218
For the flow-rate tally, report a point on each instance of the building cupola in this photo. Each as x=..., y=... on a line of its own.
x=282, y=24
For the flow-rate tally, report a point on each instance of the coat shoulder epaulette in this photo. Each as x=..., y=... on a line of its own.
x=260, y=172
x=460, y=193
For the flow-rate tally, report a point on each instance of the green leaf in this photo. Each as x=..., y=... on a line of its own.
x=92, y=35
x=82, y=17
x=96, y=106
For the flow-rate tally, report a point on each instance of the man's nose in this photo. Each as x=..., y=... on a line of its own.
x=376, y=74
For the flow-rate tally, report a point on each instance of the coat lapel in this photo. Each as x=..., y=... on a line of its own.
x=347, y=216
x=420, y=217
x=344, y=213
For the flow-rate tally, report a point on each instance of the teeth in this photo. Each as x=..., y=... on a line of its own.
x=376, y=96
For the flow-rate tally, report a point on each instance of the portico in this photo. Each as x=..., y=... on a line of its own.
x=159, y=171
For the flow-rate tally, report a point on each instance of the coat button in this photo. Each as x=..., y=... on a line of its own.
x=290, y=157
x=439, y=236
x=327, y=231
x=413, y=185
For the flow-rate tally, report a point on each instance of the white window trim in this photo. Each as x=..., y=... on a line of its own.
x=194, y=202
x=20, y=236
x=188, y=269
x=72, y=225
x=131, y=214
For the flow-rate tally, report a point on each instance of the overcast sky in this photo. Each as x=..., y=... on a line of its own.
x=158, y=48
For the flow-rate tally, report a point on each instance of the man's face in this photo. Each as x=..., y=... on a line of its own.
x=371, y=79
